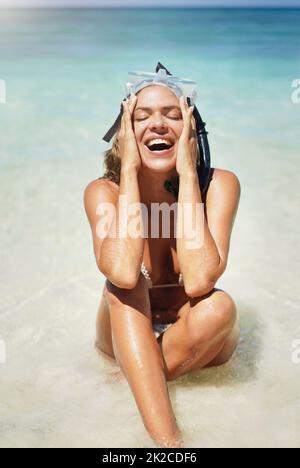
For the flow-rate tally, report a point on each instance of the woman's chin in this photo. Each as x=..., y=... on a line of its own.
x=159, y=164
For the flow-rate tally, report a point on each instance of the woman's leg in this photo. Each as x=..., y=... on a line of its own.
x=138, y=354
x=103, y=341
x=206, y=333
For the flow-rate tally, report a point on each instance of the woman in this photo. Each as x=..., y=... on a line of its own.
x=161, y=315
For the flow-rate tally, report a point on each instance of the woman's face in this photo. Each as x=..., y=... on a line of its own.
x=157, y=116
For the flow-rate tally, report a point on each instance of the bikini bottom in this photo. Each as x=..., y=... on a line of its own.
x=160, y=328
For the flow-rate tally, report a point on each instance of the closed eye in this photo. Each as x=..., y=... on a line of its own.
x=139, y=119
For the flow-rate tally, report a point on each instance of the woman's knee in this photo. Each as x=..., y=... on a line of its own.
x=228, y=349
x=210, y=317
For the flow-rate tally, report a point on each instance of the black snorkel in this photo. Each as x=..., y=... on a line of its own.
x=204, y=162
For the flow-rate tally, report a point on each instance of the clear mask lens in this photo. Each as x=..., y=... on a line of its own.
x=138, y=80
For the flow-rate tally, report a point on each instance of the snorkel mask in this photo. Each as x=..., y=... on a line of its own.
x=181, y=87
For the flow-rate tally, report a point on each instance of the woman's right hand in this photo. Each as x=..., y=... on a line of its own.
x=129, y=152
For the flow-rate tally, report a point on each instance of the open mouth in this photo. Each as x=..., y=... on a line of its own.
x=160, y=148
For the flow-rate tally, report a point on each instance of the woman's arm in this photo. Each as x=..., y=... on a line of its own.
x=204, y=260
x=118, y=258
x=201, y=267
x=121, y=256
x=118, y=251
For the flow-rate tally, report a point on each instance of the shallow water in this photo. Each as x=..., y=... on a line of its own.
x=59, y=67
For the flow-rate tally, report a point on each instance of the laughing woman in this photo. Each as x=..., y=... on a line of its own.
x=160, y=315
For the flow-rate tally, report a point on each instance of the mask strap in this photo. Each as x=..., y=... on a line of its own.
x=113, y=129
x=160, y=66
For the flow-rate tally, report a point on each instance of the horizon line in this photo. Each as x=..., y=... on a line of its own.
x=131, y=7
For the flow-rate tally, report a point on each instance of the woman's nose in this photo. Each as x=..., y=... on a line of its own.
x=157, y=122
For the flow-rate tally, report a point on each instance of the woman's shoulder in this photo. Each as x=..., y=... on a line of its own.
x=224, y=178
x=101, y=184
x=99, y=191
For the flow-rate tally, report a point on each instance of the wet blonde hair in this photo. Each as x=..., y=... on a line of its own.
x=112, y=161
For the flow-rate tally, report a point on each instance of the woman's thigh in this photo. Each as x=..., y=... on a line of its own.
x=104, y=343
x=103, y=328
x=114, y=299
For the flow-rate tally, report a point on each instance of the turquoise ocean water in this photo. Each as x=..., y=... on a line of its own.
x=65, y=72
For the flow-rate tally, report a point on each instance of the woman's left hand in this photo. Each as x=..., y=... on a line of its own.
x=187, y=144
